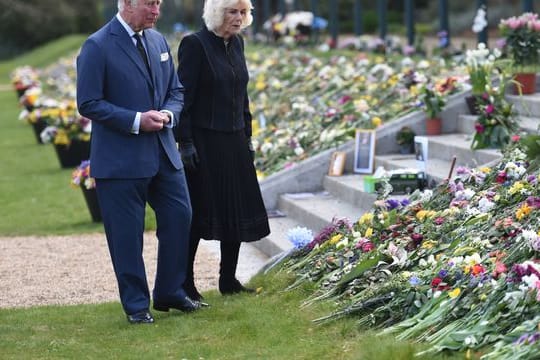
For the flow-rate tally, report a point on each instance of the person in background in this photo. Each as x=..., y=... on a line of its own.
x=214, y=135
x=127, y=86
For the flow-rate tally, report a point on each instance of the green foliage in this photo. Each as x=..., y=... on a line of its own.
x=29, y=23
x=405, y=135
x=42, y=56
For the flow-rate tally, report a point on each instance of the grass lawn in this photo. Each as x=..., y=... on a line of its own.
x=37, y=199
x=267, y=326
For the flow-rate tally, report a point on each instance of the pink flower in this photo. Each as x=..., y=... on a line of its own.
x=515, y=138
x=490, y=108
x=479, y=128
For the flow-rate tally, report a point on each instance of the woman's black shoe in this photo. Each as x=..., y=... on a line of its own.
x=232, y=286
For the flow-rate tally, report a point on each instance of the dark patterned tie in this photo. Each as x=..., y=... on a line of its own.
x=142, y=52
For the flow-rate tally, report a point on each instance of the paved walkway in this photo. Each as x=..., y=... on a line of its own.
x=76, y=269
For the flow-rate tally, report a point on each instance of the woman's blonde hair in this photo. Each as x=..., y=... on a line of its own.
x=214, y=12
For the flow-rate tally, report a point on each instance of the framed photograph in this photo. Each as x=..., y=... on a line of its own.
x=337, y=163
x=421, y=152
x=364, y=151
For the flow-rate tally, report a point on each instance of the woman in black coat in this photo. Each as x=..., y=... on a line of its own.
x=214, y=135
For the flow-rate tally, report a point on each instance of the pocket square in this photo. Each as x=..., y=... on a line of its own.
x=164, y=56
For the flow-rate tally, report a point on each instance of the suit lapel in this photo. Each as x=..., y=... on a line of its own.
x=125, y=43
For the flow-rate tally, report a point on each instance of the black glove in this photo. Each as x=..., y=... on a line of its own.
x=251, y=149
x=189, y=155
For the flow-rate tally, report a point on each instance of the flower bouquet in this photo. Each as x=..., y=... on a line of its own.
x=80, y=178
x=480, y=64
x=70, y=133
x=522, y=36
x=496, y=120
x=23, y=78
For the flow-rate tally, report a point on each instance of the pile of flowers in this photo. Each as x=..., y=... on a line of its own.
x=304, y=104
x=522, y=37
x=80, y=177
x=456, y=267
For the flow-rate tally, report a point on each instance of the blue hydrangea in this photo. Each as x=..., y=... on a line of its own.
x=299, y=236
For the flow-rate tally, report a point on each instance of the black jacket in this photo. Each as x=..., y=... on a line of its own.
x=215, y=78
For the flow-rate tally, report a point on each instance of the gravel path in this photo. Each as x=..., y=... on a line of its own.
x=76, y=269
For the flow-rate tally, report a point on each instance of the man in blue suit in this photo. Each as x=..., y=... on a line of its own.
x=127, y=85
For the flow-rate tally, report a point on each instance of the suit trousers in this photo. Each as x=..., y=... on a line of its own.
x=123, y=203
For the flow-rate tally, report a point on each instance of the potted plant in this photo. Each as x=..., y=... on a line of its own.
x=433, y=103
x=405, y=139
x=522, y=41
x=480, y=65
x=80, y=178
x=70, y=134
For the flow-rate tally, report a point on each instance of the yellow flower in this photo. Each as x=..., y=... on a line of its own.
x=454, y=293
x=483, y=297
x=523, y=211
x=335, y=239
x=260, y=85
x=516, y=187
x=61, y=138
x=485, y=169
x=425, y=214
x=255, y=129
x=428, y=244
x=367, y=218
x=376, y=121
x=369, y=232
x=260, y=175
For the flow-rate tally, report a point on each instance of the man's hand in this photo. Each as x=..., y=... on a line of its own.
x=153, y=120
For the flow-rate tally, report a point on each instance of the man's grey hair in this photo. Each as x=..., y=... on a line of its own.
x=121, y=4
x=214, y=12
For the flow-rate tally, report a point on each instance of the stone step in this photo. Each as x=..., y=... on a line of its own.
x=436, y=169
x=350, y=188
x=316, y=210
x=526, y=105
x=446, y=146
x=526, y=123
x=276, y=242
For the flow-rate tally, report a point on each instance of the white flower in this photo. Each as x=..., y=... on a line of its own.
x=480, y=21
x=485, y=205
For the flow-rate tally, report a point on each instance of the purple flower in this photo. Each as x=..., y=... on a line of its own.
x=392, y=204
x=443, y=273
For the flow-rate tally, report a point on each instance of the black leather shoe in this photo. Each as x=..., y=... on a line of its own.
x=185, y=305
x=142, y=317
x=233, y=286
x=193, y=293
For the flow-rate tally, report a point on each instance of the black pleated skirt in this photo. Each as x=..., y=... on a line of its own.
x=224, y=190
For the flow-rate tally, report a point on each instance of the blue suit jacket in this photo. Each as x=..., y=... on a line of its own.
x=112, y=85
